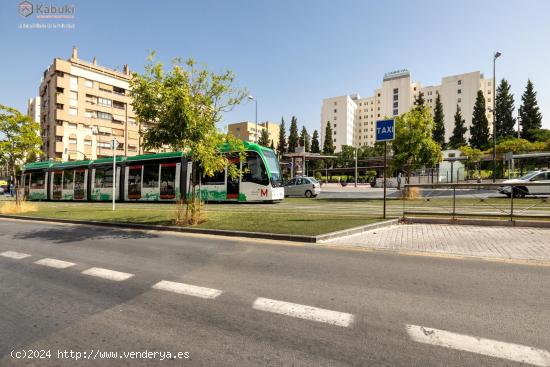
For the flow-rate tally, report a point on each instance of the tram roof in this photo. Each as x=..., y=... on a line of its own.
x=145, y=157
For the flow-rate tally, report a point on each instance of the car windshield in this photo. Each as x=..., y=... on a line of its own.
x=529, y=176
x=274, y=169
x=313, y=180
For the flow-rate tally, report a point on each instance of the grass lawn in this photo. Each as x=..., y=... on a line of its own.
x=292, y=216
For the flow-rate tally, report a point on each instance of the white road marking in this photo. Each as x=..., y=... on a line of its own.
x=187, y=289
x=14, y=255
x=108, y=274
x=303, y=312
x=488, y=347
x=54, y=263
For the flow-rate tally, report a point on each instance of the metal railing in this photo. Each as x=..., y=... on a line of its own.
x=518, y=201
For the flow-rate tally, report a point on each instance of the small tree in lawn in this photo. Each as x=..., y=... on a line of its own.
x=293, y=138
x=315, y=142
x=264, y=138
x=304, y=139
x=20, y=140
x=281, y=148
x=414, y=146
x=181, y=108
x=439, y=122
x=457, y=139
x=479, y=131
x=473, y=157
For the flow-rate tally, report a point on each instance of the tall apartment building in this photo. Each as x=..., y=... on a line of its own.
x=33, y=109
x=353, y=118
x=246, y=131
x=83, y=107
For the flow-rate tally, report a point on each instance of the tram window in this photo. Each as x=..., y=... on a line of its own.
x=254, y=169
x=168, y=181
x=68, y=180
x=37, y=180
x=217, y=179
x=151, y=175
x=103, y=177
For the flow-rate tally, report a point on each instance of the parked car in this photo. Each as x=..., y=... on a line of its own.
x=521, y=191
x=303, y=186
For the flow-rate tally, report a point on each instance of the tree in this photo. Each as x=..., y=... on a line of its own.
x=315, y=143
x=272, y=146
x=439, y=122
x=414, y=146
x=281, y=148
x=264, y=138
x=479, y=130
x=473, y=157
x=293, y=138
x=419, y=100
x=328, y=144
x=457, y=139
x=304, y=139
x=531, y=118
x=181, y=108
x=20, y=140
x=504, y=110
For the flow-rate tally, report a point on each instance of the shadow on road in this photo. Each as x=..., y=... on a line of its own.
x=80, y=233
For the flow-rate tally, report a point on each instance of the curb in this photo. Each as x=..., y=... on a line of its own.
x=477, y=222
x=356, y=230
x=216, y=232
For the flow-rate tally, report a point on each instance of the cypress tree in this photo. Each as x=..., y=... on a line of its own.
x=479, y=130
x=439, y=122
x=272, y=146
x=419, y=100
x=293, y=138
x=315, y=143
x=304, y=139
x=281, y=147
x=458, y=139
x=504, y=110
x=328, y=145
x=264, y=138
x=531, y=118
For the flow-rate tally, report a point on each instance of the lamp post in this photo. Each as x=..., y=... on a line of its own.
x=114, y=143
x=495, y=56
x=251, y=98
x=355, y=167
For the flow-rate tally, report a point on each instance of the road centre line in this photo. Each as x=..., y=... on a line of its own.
x=14, y=255
x=117, y=276
x=54, y=263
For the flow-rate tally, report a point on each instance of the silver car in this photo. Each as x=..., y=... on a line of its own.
x=303, y=186
x=521, y=191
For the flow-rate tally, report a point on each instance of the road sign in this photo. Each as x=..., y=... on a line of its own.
x=385, y=130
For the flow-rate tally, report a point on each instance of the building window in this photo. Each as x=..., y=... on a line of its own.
x=459, y=100
x=488, y=99
x=395, y=104
x=73, y=111
x=335, y=118
x=132, y=121
x=120, y=91
x=59, y=122
x=74, y=83
x=378, y=115
x=335, y=103
x=72, y=125
x=88, y=142
x=119, y=105
x=335, y=110
x=459, y=91
x=395, y=97
x=59, y=73
x=72, y=140
x=59, y=106
x=395, y=112
x=105, y=102
x=58, y=138
x=460, y=82
x=88, y=83
x=104, y=115
x=395, y=90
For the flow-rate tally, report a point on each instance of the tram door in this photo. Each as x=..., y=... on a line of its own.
x=233, y=183
x=27, y=184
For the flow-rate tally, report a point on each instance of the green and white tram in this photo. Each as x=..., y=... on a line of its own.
x=154, y=177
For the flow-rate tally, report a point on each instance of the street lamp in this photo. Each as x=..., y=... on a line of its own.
x=495, y=56
x=355, y=167
x=251, y=98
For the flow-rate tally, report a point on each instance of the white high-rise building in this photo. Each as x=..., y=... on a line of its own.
x=33, y=109
x=353, y=118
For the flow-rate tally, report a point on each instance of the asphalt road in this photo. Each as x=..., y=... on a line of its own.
x=371, y=309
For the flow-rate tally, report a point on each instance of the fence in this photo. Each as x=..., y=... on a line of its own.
x=519, y=201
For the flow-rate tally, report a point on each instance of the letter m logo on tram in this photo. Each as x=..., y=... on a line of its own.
x=263, y=192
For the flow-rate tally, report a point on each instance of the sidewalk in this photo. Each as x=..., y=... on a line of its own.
x=496, y=242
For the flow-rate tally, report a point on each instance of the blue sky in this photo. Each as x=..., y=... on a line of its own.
x=292, y=54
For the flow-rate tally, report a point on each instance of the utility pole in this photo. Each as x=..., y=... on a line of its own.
x=355, y=167
x=495, y=56
x=115, y=145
